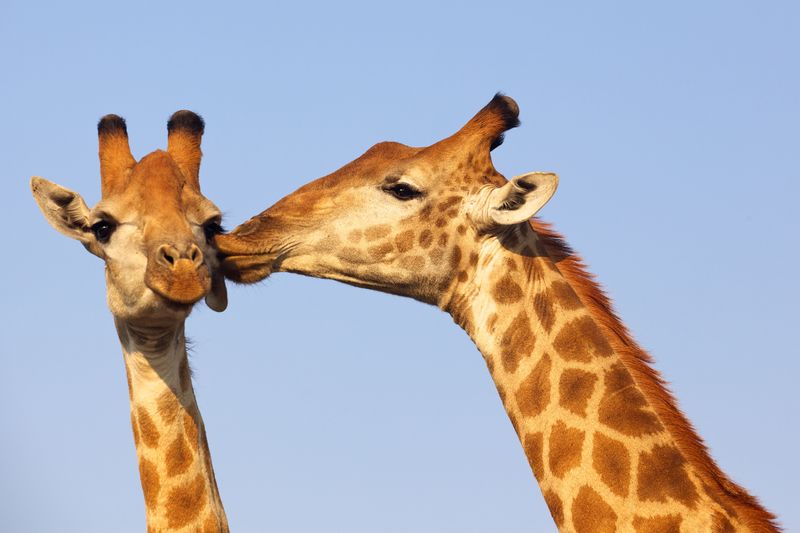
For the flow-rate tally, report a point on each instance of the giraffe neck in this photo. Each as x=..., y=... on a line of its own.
x=180, y=490
x=604, y=456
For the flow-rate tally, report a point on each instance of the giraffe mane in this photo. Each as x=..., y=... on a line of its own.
x=655, y=388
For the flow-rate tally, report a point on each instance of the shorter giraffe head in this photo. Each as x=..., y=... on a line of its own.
x=395, y=218
x=153, y=227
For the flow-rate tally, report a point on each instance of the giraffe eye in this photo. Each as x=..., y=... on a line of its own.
x=402, y=191
x=102, y=230
x=212, y=228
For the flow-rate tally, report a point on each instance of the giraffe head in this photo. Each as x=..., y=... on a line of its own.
x=395, y=218
x=153, y=227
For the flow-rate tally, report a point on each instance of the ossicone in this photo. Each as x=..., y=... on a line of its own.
x=184, y=134
x=114, y=151
x=490, y=123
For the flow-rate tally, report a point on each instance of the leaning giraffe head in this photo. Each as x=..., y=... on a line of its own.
x=394, y=218
x=153, y=227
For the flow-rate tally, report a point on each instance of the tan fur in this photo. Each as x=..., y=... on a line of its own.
x=602, y=435
x=158, y=265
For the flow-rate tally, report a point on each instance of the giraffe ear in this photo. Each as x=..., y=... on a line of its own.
x=519, y=199
x=66, y=211
x=217, y=298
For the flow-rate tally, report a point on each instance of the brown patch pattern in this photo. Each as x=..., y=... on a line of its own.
x=590, y=514
x=580, y=340
x=425, y=238
x=721, y=524
x=564, y=448
x=662, y=475
x=624, y=408
x=178, y=456
x=147, y=429
x=564, y=295
x=534, y=393
x=545, y=311
x=191, y=431
x=185, y=502
x=533, y=443
x=517, y=342
x=574, y=390
x=167, y=407
x=658, y=524
x=151, y=485
x=555, y=505
x=380, y=250
x=404, y=240
x=507, y=291
x=612, y=462
x=380, y=231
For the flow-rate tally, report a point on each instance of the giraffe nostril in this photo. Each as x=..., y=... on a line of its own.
x=167, y=255
x=195, y=255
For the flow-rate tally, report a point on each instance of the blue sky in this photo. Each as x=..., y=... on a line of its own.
x=329, y=408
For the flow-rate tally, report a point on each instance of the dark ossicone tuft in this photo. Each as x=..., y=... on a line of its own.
x=112, y=124
x=508, y=110
x=186, y=120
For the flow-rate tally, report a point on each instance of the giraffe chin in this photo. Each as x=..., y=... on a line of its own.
x=248, y=268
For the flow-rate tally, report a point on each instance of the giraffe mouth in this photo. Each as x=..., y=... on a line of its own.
x=247, y=268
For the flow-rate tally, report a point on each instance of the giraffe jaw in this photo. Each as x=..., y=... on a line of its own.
x=248, y=268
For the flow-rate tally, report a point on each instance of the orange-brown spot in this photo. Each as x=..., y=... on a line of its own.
x=658, y=524
x=147, y=429
x=185, y=502
x=425, y=238
x=436, y=255
x=167, y=406
x=623, y=407
x=191, y=430
x=612, y=462
x=580, y=340
x=533, y=394
x=517, y=342
x=463, y=276
x=178, y=456
x=212, y=524
x=380, y=250
x=455, y=257
x=545, y=311
x=555, y=505
x=461, y=229
x=135, y=427
x=662, y=475
x=564, y=295
x=574, y=390
x=425, y=212
x=350, y=254
x=590, y=514
x=448, y=203
x=722, y=524
x=443, y=239
x=565, y=445
x=507, y=291
x=151, y=485
x=373, y=233
x=412, y=262
x=473, y=258
x=440, y=222
x=355, y=236
x=511, y=264
x=404, y=240
x=533, y=443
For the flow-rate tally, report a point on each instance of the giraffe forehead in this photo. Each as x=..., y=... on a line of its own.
x=157, y=190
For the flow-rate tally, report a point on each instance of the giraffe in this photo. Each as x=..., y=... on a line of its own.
x=155, y=232
x=603, y=436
